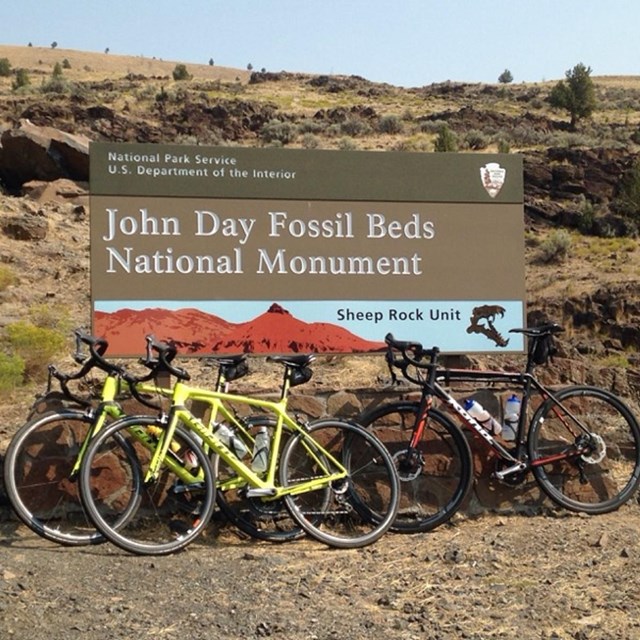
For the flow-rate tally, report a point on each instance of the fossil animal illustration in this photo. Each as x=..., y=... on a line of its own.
x=482, y=320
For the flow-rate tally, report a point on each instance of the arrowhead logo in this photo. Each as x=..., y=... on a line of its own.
x=493, y=177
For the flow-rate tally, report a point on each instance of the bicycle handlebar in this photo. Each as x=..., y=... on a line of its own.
x=166, y=353
x=97, y=348
x=412, y=354
x=538, y=332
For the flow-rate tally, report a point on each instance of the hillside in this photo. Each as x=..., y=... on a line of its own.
x=572, y=178
x=545, y=575
x=86, y=66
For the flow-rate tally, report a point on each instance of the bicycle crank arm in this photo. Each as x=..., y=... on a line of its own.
x=260, y=493
x=519, y=466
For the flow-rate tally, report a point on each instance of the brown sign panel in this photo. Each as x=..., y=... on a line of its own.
x=272, y=250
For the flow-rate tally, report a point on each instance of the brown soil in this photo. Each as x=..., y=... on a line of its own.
x=543, y=577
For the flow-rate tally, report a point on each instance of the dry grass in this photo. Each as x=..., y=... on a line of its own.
x=86, y=66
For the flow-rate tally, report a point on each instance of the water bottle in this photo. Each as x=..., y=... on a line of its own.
x=477, y=411
x=190, y=459
x=230, y=439
x=260, y=458
x=156, y=432
x=511, y=417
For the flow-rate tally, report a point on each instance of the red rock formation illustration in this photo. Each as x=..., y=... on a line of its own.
x=196, y=332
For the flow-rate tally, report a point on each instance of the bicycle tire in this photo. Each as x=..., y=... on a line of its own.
x=352, y=512
x=600, y=480
x=435, y=482
x=39, y=481
x=169, y=514
x=260, y=518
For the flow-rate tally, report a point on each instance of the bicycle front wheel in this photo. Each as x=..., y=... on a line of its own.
x=39, y=477
x=350, y=512
x=585, y=450
x=171, y=510
x=435, y=476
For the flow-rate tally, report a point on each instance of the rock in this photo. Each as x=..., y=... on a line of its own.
x=26, y=227
x=29, y=152
x=61, y=191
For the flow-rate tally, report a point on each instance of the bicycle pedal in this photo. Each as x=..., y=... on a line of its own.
x=260, y=493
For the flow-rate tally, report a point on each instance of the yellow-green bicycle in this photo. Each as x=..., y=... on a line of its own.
x=43, y=459
x=336, y=480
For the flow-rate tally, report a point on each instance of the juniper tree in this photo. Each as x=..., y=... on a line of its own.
x=576, y=94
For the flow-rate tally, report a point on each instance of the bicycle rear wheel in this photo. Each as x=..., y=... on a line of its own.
x=39, y=479
x=170, y=512
x=261, y=518
x=593, y=468
x=436, y=477
x=348, y=513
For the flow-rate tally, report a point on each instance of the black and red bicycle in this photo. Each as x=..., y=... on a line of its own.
x=581, y=443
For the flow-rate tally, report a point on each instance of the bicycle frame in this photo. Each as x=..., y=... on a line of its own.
x=527, y=382
x=428, y=375
x=259, y=487
x=106, y=408
x=109, y=407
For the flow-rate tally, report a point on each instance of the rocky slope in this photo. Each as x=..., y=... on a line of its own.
x=573, y=179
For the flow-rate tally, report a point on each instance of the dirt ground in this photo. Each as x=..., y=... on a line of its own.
x=554, y=576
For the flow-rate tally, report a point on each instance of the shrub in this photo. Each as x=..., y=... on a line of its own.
x=587, y=212
x=432, y=126
x=7, y=277
x=503, y=146
x=505, y=77
x=309, y=125
x=445, y=140
x=277, y=131
x=47, y=316
x=56, y=84
x=310, y=141
x=346, y=144
x=576, y=94
x=34, y=345
x=180, y=73
x=21, y=80
x=475, y=140
x=5, y=67
x=390, y=124
x=11, y=371
x=418, y=142
x=354, y=127
x=628, y=200
x=66, y=64
x=555, y=248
